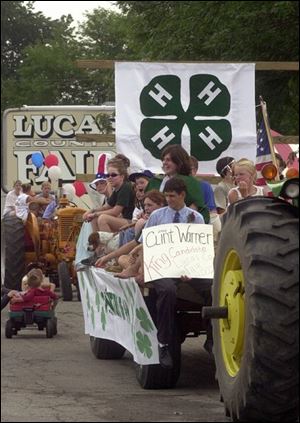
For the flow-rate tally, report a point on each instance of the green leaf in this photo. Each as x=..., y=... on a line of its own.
x=97, y=299
x=103, y=318
x=93, y=317
x=144, y=344
x=145, y=322
x=88, y=300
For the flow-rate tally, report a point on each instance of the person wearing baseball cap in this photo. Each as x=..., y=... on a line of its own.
x=140, y=180
x=146, y=174
x=100, y=185
x=100, y=177
x=224, y=169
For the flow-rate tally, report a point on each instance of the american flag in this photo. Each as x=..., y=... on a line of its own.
x=263, y=152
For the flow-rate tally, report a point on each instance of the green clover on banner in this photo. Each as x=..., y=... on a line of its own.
x=165, y=117
x=97, y=300
x=144, y=344
x=145, y=322
x=88, y=300
x=129, y=292
x=93, y=317
x=103, y=318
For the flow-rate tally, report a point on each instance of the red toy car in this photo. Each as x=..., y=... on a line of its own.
x=38, y=312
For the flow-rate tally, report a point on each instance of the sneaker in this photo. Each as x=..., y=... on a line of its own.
x=90, y=261
x=165, y=358
x=79, y=267
x=114, y=268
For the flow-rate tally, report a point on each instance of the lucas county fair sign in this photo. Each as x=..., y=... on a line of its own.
x=52, y=130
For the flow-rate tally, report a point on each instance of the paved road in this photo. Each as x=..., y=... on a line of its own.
x=59, y=380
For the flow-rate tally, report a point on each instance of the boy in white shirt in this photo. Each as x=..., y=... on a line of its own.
x=11, y=198
x=24, y=199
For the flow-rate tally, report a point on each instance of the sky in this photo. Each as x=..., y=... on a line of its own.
x=55, y=9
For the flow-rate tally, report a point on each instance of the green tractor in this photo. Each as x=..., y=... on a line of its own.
x=255, y=306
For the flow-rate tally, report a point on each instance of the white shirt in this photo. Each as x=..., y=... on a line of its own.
x=10, y=202
x=221, y=194
x=22, y=207
x=259, y=191
x=137, y=212
x=163, y=183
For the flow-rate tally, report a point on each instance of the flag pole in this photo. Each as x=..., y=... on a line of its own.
x=270, y=139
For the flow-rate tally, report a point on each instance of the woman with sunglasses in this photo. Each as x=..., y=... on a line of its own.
x=120, y=205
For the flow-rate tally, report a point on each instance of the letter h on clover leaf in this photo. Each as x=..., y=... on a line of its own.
x=160, y=103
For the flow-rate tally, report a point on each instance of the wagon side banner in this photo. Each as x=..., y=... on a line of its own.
x=209, y=109
x=175, y=250
x=115, y=309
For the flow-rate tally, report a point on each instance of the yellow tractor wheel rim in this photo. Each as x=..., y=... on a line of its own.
x=232, y=296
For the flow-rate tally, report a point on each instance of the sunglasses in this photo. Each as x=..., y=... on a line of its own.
x=112, y=175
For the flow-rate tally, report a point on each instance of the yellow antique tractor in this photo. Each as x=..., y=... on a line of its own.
x=50, y=244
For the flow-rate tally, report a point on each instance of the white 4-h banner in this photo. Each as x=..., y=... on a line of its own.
x=114, y=309
x=208, y=109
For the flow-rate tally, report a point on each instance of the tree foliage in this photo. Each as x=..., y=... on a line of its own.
x=20, y=28
x=224, y=31
x=214, y=30
x=46, y=73
x=103, y=36
x=39, y=54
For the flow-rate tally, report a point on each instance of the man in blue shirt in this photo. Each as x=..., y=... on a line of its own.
x=175, y=212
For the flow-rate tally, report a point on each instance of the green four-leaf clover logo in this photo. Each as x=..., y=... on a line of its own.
x=160, y=102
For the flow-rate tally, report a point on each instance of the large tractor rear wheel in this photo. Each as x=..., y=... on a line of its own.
x=14, y=233
x=256, y=346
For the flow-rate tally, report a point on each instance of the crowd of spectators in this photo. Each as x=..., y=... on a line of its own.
x=133, y=201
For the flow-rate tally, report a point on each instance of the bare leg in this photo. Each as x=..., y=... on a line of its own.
x=135, y=263
x=124, y=261
x=132, y=270
x=94, y=224
x=140, y=276
x=107, y=223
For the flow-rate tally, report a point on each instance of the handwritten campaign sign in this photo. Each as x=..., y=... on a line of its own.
x=173, y=250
